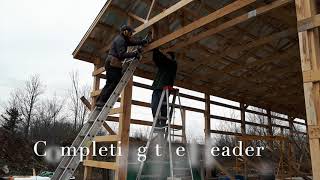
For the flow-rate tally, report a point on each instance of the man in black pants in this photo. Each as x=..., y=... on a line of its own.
x=113, y=64
x=165, y=76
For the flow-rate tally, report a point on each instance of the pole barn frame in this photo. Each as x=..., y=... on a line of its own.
x=242, y=50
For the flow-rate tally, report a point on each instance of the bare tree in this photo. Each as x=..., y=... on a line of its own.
x=48, y=114
x=28, y=98
x=78, y=109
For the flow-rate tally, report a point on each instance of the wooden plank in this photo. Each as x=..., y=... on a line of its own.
x=309, y=23
x=115, y=111
x=233, y=22
x=100, y=164
x=107, y=138
x=207, y=118
x=200, y=22
x=310, y=61
x=311, y=76
x=85, y=101
x=207, y=128
x=243, y=118
x=108, y=128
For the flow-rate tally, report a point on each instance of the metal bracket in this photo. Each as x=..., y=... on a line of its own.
x=309, y=23
x=311, y=76
x=314, y=132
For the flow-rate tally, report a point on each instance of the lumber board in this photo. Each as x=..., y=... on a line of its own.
x=100, y=164
x=309, y=23
x=107, y=138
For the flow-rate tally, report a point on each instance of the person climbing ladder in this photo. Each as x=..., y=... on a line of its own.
x=113, y=64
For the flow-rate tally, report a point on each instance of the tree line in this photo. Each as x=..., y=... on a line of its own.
x=30, y=113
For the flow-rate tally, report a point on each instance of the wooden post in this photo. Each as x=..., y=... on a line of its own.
x=124, y=127
x=243, y=118
x=183, y=118
x=207, y=127
x=243, y=132
x=269, y=122
x=310, y=63
x=96, y=85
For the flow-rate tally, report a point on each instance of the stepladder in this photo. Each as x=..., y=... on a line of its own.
x=69, y=164
x=168, y=165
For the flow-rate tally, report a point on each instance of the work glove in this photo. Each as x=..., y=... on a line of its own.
x=136, y=54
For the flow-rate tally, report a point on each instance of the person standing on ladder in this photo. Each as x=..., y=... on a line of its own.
x=166, y=73
x=113, y=64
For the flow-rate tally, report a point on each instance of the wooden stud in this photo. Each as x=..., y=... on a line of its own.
x=183, y=119
x=100, y=164
x=310, y=61
x=207, y=126
x=243, y=118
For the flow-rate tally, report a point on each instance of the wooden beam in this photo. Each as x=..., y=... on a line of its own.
x=309, y=23
x=310, y=61
x=115, y=111
x=107, y=138
x=233, y=22
x=85, y=101
x=243, y=118
x=100, y=164
x=108, y=128
x=200, y=22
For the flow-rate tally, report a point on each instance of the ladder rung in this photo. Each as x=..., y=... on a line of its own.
x=179, y=177
x=150, y=176
x=108, y=138
x=100, y=164
x=162, y=118
x=115, y=111
x=178, y=135
x=180, y=169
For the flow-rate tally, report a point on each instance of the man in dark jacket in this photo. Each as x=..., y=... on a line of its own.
x=113, y=65
x=165, y=76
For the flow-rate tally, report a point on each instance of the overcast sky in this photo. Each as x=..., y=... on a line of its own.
x=39, y=36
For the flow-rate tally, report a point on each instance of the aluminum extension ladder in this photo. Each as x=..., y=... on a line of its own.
x=89, y=130
x=167, y=135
